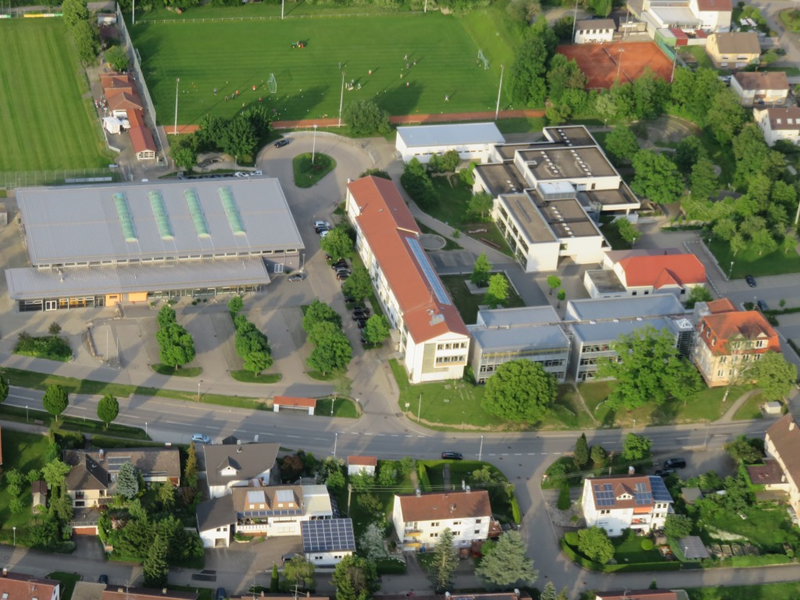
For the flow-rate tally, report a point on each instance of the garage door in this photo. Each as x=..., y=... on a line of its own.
x=84, y=531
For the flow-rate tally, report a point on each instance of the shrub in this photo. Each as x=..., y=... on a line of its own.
x=571, y=538
x=563, y=498
x=647, y=544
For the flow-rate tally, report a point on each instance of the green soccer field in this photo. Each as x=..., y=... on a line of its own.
x=45, y=123
x=236, y=55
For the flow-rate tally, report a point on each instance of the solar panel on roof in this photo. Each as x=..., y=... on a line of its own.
x=659, y=490
x=427, y=269
x=328, y=535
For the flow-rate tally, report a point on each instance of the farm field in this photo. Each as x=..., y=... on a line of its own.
x=45, y=123
x=237, y=55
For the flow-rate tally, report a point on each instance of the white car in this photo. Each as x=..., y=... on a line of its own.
x=241, y=174
x=256, y=173
x=323, y=233
x=322, y=225
x=201, y=438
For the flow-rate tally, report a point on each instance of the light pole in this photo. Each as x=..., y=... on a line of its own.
x=282, y=3
x=335, y=442
x=499, y=90
x=314, y=145
x=574, y=22
x=674, y=62
x=133, y=12
x=419, y=409
x=15, y=535
x=730, y=272
x=145, y=429
x=619, y=61
x=407, y=405
x=341, y=100
x=177, y=85
x=198, y=389
x=26, y=413
x=333, y=403
x=480, y=451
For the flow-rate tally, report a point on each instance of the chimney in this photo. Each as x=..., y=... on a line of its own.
x=791, y=426
x=631, y=471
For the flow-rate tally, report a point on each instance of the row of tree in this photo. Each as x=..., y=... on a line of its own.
x=176, y=346
x=332, y=350
x=497, y=285
x=83, y=34
x=251, y=343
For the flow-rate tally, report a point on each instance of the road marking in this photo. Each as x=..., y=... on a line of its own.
x=409, y=435
x=492, y=454
x=395, y=435
x=531, y=453
x=556, y=452
x=368, y=433
x=543, y=453
x=518, y=454
x=294, y=437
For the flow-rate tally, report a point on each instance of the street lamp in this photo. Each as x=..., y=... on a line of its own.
x=333, y=403
x=15, y=535
x=731, y=270
x=341, y=100
x=145, y=429
x=198, y=389
x=407, y=405
x=335, y=442
x=480, y=451
x=26, y=413
x=314, y=145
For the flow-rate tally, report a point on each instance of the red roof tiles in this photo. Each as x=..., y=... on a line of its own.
x=717, y=330
x=722, y=305
x=362, y=461
x=715, y=5
x=292, y=401
x=453, y=505
x=661, y=270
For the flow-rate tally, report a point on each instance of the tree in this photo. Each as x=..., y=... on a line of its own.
x=190, y=468
x=508, y=564
x=165, y=316
x=598, y=454
x=155, y=566
x=562, y=295
x=376, y=329
x=355, y=578
x=55, y=400
x=563, y=78
x=526, y=82
x=480, y=205
x=444, y=562
x=549, y=592
x=650, y=95
x=648, y=369
x=107, y=409
x=636, y=448
x=726, y=117
x=166, y=495
x=703, y=179
x=74, y=11
x=184, y=153
x=774, y=375
x=332, y=353
x=604, y=105
x=699, y=293
x=763, y=241
x=299, y=570
x=743, y=450
x=450, y=161
x=318, y=312
x=520, y=390
x=387, y=475
x=581, y=454
x=337, y=243
x=4, y=388
x=235, y=305
x=176, y=346
x=376, y=173
x=274, y=582
x=524, y=10
x=498, y=290
x=481, y=270
x=621, y=144
x=117, y=58
x=688, y=151
x=370, y=544
x=364, y=117
x=416, y=181
x=54, y=329
x=127, y=481
x=359, y=284
x=239, y=138
x=55, y=473
x=594, y=544
x=677, y=526
x=86, y=41
x=627, y=231
x=657, y=177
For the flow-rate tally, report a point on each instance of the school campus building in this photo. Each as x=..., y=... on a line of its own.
x=101, y=245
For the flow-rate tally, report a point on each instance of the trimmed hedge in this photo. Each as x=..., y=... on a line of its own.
x=424, y=479
x=390, y=566
x=619, y=568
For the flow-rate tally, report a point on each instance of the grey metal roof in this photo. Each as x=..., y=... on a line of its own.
x=249, y=460
x=34, y=284
x=215, y=513
x=518, y=317
x=460, y=134
x=595, y=309
x=609, y=331
x=523, y=337
x=157, y=219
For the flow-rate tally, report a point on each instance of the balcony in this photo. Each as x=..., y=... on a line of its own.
x=253, y=528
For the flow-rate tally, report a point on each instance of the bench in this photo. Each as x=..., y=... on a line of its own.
x=490, y=243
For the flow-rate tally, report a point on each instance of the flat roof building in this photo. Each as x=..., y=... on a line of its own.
x=103, y=244
x=472, y=141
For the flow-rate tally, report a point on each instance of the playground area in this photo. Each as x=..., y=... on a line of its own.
x=601, y=62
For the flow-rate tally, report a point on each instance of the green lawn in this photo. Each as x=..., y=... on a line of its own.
x=532, y=125
x=751, y=409
x=202, y=593
x=70, y=423
x=306, y=173
x=748, y=262
x=21, y=451
x=628, y=548
x=706, y=406
x=766, y=528
x=766, y=591
x=791, y=19
x=173, y=372
x=249, y=377
x=309, y=80
x=67, y=580
x=45, y=123
x=342, y=407
x=467, y=303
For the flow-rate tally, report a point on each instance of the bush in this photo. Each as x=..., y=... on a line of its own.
x=647, y=544
x=563, y=498
x=571, y=538
x=50, y=347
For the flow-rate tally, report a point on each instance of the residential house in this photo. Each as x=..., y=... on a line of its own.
x=126, y=593
x=432, y=339
x=591, y=31
x=271, y=511
x=638, y=502
x=734, y=50
x=779, y=124
x=645, y=272
x=507, y=334
x=472, y=141
x=665, y=20
x=20, y=586
x=242, y=465
x=420, y=518
x=92, y=478
x=782, y=443
x=642, y=595
x=361, y=464
x=714, y=15
x=38, y=493
x=729, y=340
x=326, y=542
x=761, y=87
x=144, y=146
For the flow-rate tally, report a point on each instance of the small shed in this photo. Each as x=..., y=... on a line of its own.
x=361, y=464
x=39, y=493
x=773, y=408
x=112, y=125
x=106, y=18
x=693, y=548
x=291, y=403
x=691, y=494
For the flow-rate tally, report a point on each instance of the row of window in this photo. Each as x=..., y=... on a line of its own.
x=443, y=360
x=413, y=524
x=452, y=345
x=161, y=259
x=455, y=533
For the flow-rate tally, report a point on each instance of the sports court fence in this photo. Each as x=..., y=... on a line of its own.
x=670, y=52
x=14, y=179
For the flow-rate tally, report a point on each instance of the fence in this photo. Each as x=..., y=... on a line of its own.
x=14, y=179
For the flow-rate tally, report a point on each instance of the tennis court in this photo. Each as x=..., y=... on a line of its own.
x=601, y=62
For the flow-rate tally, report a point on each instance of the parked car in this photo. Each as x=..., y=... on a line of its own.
x=449, y=455
x=282, y=143
x=665, y=472
x=289, y=556
x=751, y=281
x=201, y=438
x=257, y=172
x=340, y=264
x=675, y=463
x=321, y=225
x=349, y=300
x=103, y=579
x=297, y=277
x=361, y=323
x=342, y=276
x=343, y=270
x=221, y=593
x=359, y=312
x=241, y=174
x=762, y=306
x=323, y=233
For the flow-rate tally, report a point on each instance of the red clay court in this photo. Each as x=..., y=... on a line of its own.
x=600, y=62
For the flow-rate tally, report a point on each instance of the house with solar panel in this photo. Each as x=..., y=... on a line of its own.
x=326, y=542
x=229, y=466
x=640, y=502
x=101, y=245
x=429, y=332
x=271, y=511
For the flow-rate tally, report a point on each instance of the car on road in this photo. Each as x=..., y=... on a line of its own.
x=201, y=438
x=322, y=225
x=762, y=306
x=103, y=579
x=663, y=473
x=450, y=455
x=675, y=463
x=297, y=277
x=751, y=281
x=282, y=143
x=221, y=593
x=241, y=174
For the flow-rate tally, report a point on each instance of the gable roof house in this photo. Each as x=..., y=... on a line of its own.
x=230, y=466
x=589, y=31
x=640, y=502
x=782, y=443
x=779, y=124
x=21, y=586
x=419, y=519
x=734, y=50
x=361, y=464
x=641, y=273
x=760, y=87
x=642, y=595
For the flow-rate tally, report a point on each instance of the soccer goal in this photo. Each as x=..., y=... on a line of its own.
x=272, y=84
x=482, y=59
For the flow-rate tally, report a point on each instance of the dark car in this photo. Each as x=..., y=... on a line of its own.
x=281, y=143
x=341, y=264
x=342, y=276
x=762, y=306
x=103, y=579
x=349, y=299
x=665, y=472
x=675, y=463
x=221, y=593
x=361, y=323
x=751, y=281
x=452, y=456
x=297, y=276
x=289, y=556
x=361, y=312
